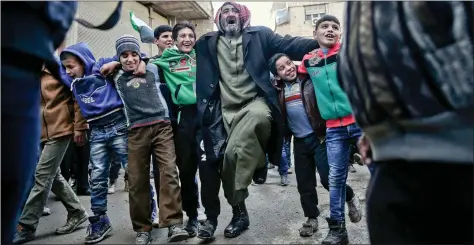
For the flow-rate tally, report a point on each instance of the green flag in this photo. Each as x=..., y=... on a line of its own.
x=146, y=33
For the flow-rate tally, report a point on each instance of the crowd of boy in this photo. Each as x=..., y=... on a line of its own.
x=229, y=124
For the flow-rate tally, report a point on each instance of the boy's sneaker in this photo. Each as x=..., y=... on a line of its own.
x=284, y=180
x=192, y=227
x=143, y=238
x=23, y=234
x=176, y=234
x=99, y=227
x=290, y=171
x=112, y=185
x=337, y=234
x=309, y=227
x=73, y=222
x=355, y=214
x=358, y=159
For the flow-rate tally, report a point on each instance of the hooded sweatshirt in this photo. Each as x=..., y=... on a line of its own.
x=96, y=96
x=179, y=70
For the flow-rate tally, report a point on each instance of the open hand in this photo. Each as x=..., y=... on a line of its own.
x=109, y=68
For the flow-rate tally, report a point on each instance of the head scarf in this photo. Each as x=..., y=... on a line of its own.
x=244, y=14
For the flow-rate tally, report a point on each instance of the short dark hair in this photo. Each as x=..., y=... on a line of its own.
x=272, y=62
x=181, y=25
x=160, y=29
x=327, y=18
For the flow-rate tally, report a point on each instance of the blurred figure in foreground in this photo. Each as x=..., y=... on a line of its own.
x=408, y=70
x=24, y=51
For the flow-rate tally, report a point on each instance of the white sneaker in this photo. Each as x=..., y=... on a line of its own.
x=111, y=189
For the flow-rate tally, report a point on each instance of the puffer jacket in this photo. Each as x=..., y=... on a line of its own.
x=60, y=114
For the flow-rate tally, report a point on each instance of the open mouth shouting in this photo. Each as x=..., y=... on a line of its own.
x=231, y=20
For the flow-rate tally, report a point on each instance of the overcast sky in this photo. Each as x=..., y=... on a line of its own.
x=260, y=12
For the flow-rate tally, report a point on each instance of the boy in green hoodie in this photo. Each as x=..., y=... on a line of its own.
x=179, y=71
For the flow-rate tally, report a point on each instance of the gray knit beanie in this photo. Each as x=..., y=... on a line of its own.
x=127, y=43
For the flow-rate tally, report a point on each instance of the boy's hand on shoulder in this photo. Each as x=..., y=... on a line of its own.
x=109, y=68
x=141, y=69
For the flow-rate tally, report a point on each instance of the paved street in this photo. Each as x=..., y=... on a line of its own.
x=275, y=216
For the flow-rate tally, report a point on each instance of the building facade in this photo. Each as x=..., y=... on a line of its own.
x=102, y=43
x=298, y=18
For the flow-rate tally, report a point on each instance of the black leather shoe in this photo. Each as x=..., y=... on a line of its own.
x=260, y=175
x=239, y=223
x=206, y=231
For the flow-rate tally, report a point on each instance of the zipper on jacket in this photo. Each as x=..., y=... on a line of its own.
x=329, y=86
x=44, y=118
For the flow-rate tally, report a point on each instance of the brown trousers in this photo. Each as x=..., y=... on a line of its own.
x=142, y=142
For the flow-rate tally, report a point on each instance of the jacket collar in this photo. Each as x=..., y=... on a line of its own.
x=213, y=37
x=333, y=50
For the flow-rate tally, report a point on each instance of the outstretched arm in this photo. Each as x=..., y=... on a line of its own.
x=108, y=66
x=294, y=47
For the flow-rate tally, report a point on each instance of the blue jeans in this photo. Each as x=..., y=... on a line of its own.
x=105, y=141
x=338, y=142
x=287, y=148
x=284, y=162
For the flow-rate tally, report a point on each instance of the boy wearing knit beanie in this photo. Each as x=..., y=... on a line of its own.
x=150, y=132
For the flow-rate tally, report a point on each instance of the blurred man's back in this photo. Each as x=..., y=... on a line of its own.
x=408, y=70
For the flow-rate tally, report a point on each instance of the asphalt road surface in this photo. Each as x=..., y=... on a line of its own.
x=275, y=216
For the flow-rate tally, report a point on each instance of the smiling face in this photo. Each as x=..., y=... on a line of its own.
x=185, y=40
x=129, y=60
x=164, y=41
x=286, y=69
x=327, y=33
x=230, y=20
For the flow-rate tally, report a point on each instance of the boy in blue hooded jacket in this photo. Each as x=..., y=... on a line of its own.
x=102, y=107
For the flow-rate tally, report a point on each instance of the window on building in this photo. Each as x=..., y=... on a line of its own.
x=314, y=11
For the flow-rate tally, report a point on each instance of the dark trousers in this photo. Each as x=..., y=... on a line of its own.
x=187, y=159
x=420, y=203
x=82, y=157
x=310, y=154
x=76, y=164
x=210, y=179
x=20, y=132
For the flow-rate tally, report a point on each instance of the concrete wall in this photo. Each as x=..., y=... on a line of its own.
x=298, y=26
x=102, y=43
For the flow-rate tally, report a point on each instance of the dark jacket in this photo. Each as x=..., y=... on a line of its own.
x=36, y=28
x=308, y=97
x=60, y=113
x=411, y=85
x=259, y=44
